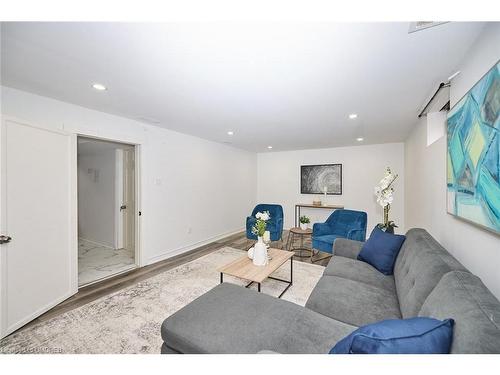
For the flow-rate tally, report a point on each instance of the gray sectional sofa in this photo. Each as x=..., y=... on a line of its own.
x=427, y=281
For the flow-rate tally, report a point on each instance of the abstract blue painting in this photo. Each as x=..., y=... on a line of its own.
x=473, y=153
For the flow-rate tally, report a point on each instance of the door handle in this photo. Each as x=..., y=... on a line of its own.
x=5, y=239
x=123, y=207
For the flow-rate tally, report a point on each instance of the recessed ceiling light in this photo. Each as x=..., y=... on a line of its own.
x=269, y=147
x=230, y=133
x=99, y=87
x=360, y=139
x=352, y=116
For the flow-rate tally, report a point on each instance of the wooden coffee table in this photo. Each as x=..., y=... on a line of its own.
x=244, y=268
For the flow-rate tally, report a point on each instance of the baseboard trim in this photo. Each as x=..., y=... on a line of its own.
x=193, y=246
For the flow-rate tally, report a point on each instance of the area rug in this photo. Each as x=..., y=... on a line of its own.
x=128, y=321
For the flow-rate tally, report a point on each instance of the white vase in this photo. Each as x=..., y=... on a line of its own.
x=260, y=253
x=250, y=253
x=303, y=226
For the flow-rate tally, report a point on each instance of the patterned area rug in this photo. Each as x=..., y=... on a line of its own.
x=129, y=320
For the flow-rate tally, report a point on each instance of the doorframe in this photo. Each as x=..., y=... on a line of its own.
x=126, y=166
x=138, y=201
x=73, y=214
x=119, y=189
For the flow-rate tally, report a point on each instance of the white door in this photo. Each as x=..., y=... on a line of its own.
x=38, y=267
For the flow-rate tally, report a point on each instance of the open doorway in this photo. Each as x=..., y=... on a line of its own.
x=106, y=209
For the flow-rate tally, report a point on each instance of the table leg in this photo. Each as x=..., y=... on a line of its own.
x=301, y=243
x=288, y=282
x=221, y=277
x=258, y=287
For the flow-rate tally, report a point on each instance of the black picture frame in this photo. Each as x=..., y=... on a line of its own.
x=311, y=174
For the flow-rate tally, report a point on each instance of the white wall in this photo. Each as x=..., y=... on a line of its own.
x=362, y=168
x=96, y=197
x=193, y=190
x=476, y=248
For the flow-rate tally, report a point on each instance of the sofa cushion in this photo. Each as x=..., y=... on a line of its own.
x=381, y=250
x=419, y=266
x=399, y=336
x=233, y=319
x=352, y=302
x=359, y=271
x=463, y=297
x=324, y=243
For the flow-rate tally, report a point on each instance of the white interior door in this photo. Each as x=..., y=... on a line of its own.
x=38, y=267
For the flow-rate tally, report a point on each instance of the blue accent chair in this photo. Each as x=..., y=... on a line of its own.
x=274, y=225
x=341, y=224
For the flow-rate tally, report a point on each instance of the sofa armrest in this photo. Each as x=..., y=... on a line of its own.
x=347, y=248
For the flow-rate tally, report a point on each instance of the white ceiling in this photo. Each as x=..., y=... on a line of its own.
x=291, y=86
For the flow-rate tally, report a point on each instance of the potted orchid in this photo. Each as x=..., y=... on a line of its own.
x=259, y=255
x=384, y=192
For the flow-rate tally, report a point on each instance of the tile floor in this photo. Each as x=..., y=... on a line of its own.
x=96, y=262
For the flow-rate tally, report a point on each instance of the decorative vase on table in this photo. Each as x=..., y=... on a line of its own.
x=259, y=256
x=267, y=238
x=250, y=253
x=303, y=226
x=260, y=253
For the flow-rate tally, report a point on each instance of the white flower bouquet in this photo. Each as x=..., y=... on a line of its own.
x=259, y=228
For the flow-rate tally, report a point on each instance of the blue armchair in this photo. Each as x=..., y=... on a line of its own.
x=341, y=224
x=274, y=225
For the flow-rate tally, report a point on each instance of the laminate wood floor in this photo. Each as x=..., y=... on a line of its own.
x=94, y=291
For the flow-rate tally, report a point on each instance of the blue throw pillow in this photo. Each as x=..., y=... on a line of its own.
x=399, y=336
x=381, y=250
